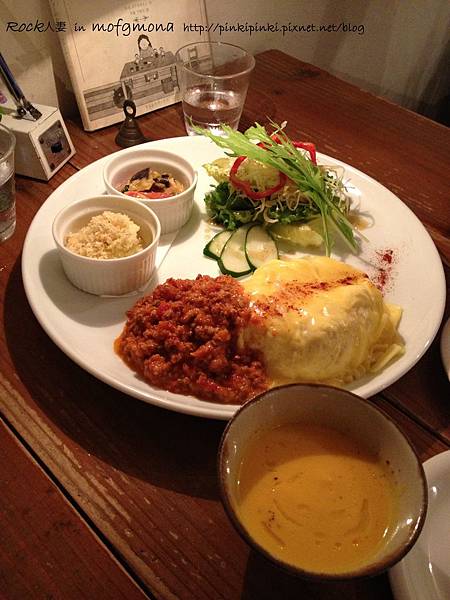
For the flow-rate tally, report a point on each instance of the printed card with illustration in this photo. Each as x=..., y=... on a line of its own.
x=119, y=50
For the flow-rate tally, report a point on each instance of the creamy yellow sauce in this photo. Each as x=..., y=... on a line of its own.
x=320, y=320
x=315, y=498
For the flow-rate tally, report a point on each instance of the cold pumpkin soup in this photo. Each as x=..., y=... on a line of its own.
x=315, y=498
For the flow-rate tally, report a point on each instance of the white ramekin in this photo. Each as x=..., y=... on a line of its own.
x=172, y=212
x=115, y=276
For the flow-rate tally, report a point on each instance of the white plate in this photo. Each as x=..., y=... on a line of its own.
x=424, y=573
x=85, y=326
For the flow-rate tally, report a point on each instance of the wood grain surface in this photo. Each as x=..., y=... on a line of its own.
x=141, y=481
x=47, y=551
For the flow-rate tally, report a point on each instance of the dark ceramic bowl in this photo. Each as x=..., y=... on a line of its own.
x=338, y=409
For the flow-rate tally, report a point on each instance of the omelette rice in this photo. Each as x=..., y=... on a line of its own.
x=316, y=319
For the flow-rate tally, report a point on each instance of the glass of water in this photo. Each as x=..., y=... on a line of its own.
x=7, y=186
x=213, y=79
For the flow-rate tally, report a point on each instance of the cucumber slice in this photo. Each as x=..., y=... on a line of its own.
x=233, y=260
x=260, y=247
x=214, y=247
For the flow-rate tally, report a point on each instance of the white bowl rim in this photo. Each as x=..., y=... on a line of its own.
x=90, y=260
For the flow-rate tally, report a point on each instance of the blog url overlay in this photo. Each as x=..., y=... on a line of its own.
x=283, y=28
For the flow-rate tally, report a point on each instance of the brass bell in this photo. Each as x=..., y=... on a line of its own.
x=130, y=133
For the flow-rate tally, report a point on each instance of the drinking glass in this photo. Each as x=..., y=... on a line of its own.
x=7, y=185
x=213, y=79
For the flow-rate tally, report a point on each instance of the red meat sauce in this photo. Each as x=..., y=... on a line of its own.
x=183, y=337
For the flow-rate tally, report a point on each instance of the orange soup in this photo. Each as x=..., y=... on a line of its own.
x=315, y=498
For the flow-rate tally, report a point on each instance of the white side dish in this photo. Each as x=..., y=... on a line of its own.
x=114, y=275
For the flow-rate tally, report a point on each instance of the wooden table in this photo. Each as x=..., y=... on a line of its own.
x=103, y=496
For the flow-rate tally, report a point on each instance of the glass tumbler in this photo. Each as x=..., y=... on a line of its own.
x=213, y=79
x=7, y=185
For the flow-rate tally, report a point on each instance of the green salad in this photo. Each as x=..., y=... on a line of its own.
x=271, y=180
